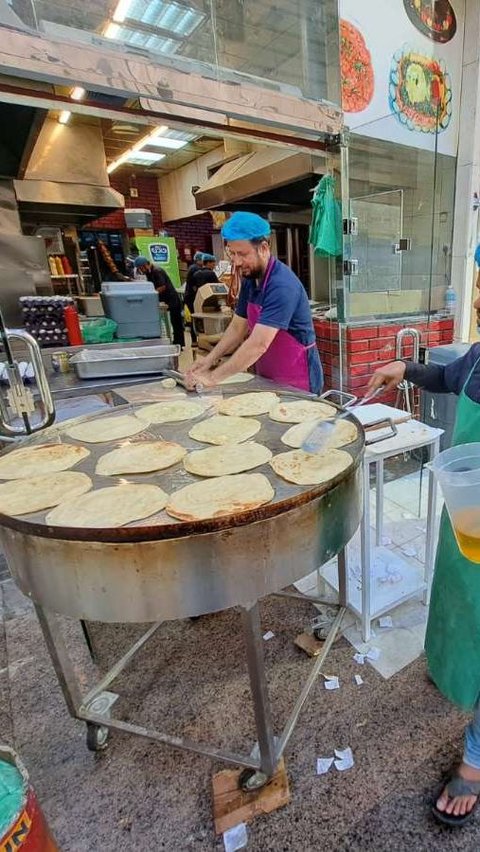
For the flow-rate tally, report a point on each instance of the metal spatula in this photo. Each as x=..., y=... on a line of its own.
x=322, y=429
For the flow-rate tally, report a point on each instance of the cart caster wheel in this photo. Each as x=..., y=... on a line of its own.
x=252, y=779
x=97, y=737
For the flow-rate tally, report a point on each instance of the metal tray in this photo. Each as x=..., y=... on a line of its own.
x=140, y=361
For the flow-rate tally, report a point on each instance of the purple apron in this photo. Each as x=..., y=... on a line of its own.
x=286, y=360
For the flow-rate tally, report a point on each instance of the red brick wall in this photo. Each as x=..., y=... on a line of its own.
x=148, y=197
x=192, y=234
x=370, y=347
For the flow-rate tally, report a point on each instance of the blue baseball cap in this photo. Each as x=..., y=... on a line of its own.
x=198, y=255
x=245, y=226
x=141, y=260
x=209, y=258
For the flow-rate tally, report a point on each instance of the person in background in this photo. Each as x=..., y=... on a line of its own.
x=204, y=275
x=272, y=327
x=166, y=293
x=193, y=268
x=453, y=632
x=207, y=274
x=130, y=260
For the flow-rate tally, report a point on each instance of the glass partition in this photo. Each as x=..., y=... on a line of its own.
x=401, y=209
x=294, y=45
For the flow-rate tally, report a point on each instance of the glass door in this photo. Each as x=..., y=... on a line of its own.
x=376, y=248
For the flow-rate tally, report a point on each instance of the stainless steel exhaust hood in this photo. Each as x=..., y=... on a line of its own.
x=56, y=203
x=65, y=180
x=253, y=174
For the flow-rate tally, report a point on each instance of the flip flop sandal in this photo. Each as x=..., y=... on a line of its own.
x=458, y=786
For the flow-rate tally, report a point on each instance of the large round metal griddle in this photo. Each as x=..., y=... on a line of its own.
x=161, y=568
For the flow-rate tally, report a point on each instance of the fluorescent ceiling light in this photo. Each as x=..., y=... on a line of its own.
x=78, y=93
x=121, y=12
x=144, y=157
x=112, y=31
x=167, y=142
x=64, y=116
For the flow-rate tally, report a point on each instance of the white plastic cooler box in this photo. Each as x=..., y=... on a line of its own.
x=133, y=306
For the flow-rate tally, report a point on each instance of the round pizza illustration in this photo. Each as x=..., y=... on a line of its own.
x=420, y=91
x=356, y=69
x=433, y=18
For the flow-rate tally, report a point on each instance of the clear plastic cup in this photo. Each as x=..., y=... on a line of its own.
x=458, y=473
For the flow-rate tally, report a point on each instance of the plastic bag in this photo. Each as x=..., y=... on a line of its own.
x=99, y=331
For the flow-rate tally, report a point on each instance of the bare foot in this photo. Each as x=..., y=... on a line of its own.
x=460, y=805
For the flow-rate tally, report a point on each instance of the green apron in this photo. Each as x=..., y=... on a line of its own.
x=453, y=630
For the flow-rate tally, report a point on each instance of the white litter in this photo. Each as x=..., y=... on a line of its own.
x=344, y=759
x=235, y=838
x=359, y=658
x=323, y=765
x=386, y=541
x=332, y=683
x=358, y=680
x=408, y=516
x=373, y=654
x=385, y=622
x=268, y=635
x=408, y=550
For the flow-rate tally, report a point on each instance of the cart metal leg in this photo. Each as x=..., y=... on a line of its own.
x=379, y=496
x=258, y=683
x=60, y=659
x=94, y=708
x=431, y=522
x=366, y=554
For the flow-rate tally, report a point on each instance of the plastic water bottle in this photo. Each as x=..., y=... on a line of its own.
x=450, y=301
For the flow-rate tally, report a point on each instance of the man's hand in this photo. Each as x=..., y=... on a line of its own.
x=388, y=376
x=199, y=378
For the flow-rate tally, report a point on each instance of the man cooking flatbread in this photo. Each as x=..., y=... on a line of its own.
x=272, y=327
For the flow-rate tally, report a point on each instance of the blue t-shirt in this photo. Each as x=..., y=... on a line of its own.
x=285, y=306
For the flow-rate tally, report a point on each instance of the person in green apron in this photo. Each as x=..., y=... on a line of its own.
x=453, y=631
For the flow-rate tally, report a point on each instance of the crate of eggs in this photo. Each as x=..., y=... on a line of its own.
x=43, y=318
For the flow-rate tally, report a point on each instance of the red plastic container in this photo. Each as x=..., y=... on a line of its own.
x=23, y=825
x=73, y=326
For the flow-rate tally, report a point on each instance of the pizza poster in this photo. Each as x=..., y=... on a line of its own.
x=401, y=69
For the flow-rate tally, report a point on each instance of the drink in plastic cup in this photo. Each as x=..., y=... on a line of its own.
x=458, y=473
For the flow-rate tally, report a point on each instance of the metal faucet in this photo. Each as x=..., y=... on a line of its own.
x=405, y=388
x=19, y=398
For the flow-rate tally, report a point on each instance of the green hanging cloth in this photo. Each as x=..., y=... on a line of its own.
x=326, y=228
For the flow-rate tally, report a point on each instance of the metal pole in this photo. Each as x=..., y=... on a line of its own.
x=366, y=553
x=258, y=684
x=314, y=672
x=379, y=494
x=431, y=517
x=60, y=659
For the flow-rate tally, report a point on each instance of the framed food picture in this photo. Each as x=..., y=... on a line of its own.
x=356, y=69
x=433, y=18
x=420, y=91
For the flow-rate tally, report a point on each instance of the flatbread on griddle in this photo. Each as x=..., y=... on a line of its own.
x=25, y=496
x=248, y=404
x=217, y=497
x=220, y=429
x=109, y=507
x=343, y=433
x=300, y=410
x=227, y=459
x=105, y=429
x=310, y=468
x=142, y=457
x=39, y=459
x=170, y=412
